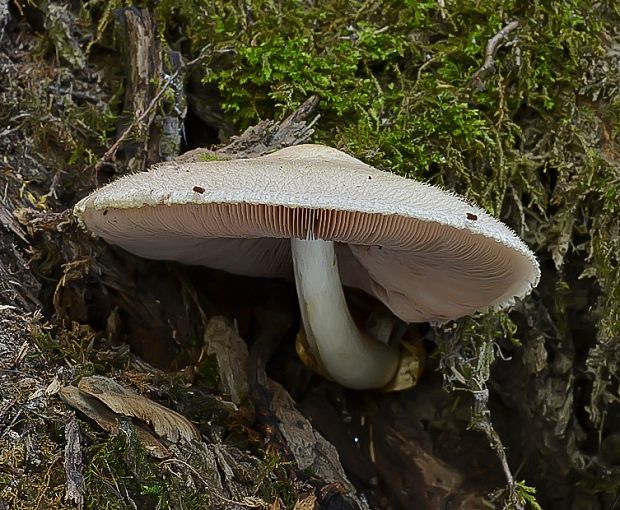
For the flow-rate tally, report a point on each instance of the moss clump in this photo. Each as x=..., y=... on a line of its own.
x=394, y=78
x=22, y=483
x=122, y=461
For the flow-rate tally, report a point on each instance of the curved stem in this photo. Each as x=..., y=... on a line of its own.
x=350, y=357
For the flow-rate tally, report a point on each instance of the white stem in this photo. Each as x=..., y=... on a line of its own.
x=350, y=357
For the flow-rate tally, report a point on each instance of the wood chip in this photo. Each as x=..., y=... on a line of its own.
x=54, y=386
x=231, y=355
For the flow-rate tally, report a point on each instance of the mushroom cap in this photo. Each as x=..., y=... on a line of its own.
x=427, y=254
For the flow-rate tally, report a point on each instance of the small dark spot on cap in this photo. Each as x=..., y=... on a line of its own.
x=370, y=177
x=105, y=211
x=198, y=189
x=471, y=216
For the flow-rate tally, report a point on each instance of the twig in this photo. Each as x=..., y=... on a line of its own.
x=111, y=152
x=481, y=421
x=490, y=51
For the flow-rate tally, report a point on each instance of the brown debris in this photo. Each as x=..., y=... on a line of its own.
x=108, y=420
x=73, y=463
x=18, y=286
x=308, y=503
x=125, y=402
x=268, y=136
x=231, y=354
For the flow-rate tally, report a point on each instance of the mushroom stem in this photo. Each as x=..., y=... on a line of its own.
x=349, y=356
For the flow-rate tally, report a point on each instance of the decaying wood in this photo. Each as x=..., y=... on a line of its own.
x=231, y=354
x=144, y=70
x=406, y=463
x=266, y=136
x=309, y=449
x=73, y=463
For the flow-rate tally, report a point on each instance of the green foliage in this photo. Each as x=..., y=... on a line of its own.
x=527, y=495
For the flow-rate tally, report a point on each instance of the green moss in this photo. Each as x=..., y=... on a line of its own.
x=210, y=157
x=22, y=485
x=122, y=461
x=272, y=482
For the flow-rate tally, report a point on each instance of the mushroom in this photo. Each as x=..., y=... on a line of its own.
x=329, y=219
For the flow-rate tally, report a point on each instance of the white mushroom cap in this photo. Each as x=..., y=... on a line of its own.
x=429, y=255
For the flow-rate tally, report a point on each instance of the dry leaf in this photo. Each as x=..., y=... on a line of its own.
x=108, y=420
x=121, y=400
